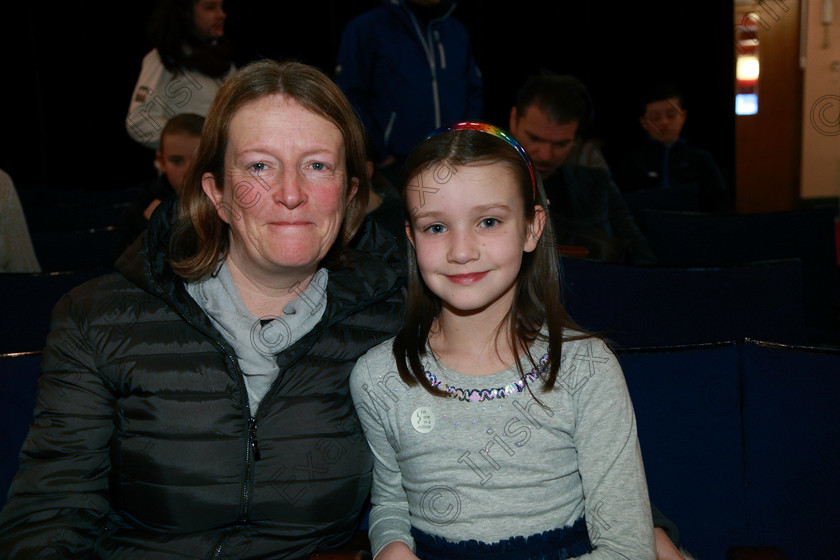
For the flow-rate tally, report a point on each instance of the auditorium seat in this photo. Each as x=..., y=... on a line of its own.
x=704, y=240
x=78, y=249
x=643, y=306
x=71, y=217
x=792, y=447
x=68, y=209
x=27, y=301
x=689, y=424
x=18, y=387
x=741, y=445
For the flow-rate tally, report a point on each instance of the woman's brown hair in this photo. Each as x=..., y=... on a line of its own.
x=200, y=239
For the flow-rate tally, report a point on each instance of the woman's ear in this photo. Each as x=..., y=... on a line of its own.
x=352, y=188
x=535, y=228
x=215, y=194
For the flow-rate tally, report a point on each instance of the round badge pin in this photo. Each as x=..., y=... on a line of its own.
x=423, y=420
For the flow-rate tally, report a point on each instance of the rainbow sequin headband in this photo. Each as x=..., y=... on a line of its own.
x=498, y=133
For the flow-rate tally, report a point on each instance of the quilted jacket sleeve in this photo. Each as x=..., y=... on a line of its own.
x=59, y=498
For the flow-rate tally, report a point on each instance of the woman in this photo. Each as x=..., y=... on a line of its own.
x=196, y=405
x=189, y=61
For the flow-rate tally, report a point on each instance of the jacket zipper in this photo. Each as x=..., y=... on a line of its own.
x=426, y=41
x=255, y=444
x=217, y=551
x=252, y=443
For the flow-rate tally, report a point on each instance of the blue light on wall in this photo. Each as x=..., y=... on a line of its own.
x=746, y=104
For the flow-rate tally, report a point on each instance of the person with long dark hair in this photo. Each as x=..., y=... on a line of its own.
x=190, y=59
x=499, y=429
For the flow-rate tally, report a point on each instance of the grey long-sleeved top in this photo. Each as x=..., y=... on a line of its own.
x=476, y=466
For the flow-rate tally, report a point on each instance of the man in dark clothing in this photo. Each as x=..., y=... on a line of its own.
x=665, y=171
x=408, y=68
x=587, y=209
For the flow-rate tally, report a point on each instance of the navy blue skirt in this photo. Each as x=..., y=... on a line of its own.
x=557, y=544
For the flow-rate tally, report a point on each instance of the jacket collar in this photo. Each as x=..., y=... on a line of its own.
x=372, y=270
x=447, y=7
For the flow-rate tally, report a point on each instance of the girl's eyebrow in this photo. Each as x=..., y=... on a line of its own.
x=492, y=206
x=475, y=209
x=422, y=215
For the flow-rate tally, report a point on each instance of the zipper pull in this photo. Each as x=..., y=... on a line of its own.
x=255, y=444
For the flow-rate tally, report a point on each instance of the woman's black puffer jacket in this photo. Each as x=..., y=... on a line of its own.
x=143, y=445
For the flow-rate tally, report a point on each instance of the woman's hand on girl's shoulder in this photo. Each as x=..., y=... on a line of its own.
x=396, y=550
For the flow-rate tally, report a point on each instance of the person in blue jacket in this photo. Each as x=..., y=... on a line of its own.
x=408, y=68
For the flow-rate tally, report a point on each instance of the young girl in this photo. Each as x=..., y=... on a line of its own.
x=498, y=429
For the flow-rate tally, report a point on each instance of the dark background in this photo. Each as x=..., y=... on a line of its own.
x=69, y=70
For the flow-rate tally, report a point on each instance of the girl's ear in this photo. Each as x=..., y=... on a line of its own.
x=409, y=233
x=535, y=228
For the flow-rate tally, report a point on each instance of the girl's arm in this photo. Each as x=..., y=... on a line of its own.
x=618, y=515
x=390, y=526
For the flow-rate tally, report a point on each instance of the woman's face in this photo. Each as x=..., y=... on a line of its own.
x=209, y=18
x=285, y=188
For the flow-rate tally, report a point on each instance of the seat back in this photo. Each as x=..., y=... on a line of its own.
x=74, y=208
x=72, y=217
x=741, y=444
x=27, y=301
x=77, y=249
x=686, y=402
x=640, y=306
x=679, y=199
x=18, y=388
x=792, y=447
x=697, y=239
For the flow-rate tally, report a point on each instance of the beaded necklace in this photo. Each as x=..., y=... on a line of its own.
x=480, y=395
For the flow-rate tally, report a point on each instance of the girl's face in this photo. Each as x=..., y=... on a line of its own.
x=209, y=18
x=468, y=227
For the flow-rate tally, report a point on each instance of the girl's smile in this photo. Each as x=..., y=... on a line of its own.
x=468, y=278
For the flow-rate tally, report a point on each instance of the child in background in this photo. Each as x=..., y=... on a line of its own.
x=665, y=171
x=498, y=428
x=178, y=143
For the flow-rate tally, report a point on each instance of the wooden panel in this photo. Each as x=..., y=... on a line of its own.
x=767, y=145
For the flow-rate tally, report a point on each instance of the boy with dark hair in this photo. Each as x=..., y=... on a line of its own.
x=666, y=171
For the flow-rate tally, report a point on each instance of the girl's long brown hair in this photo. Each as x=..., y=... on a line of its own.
x=538, y=299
